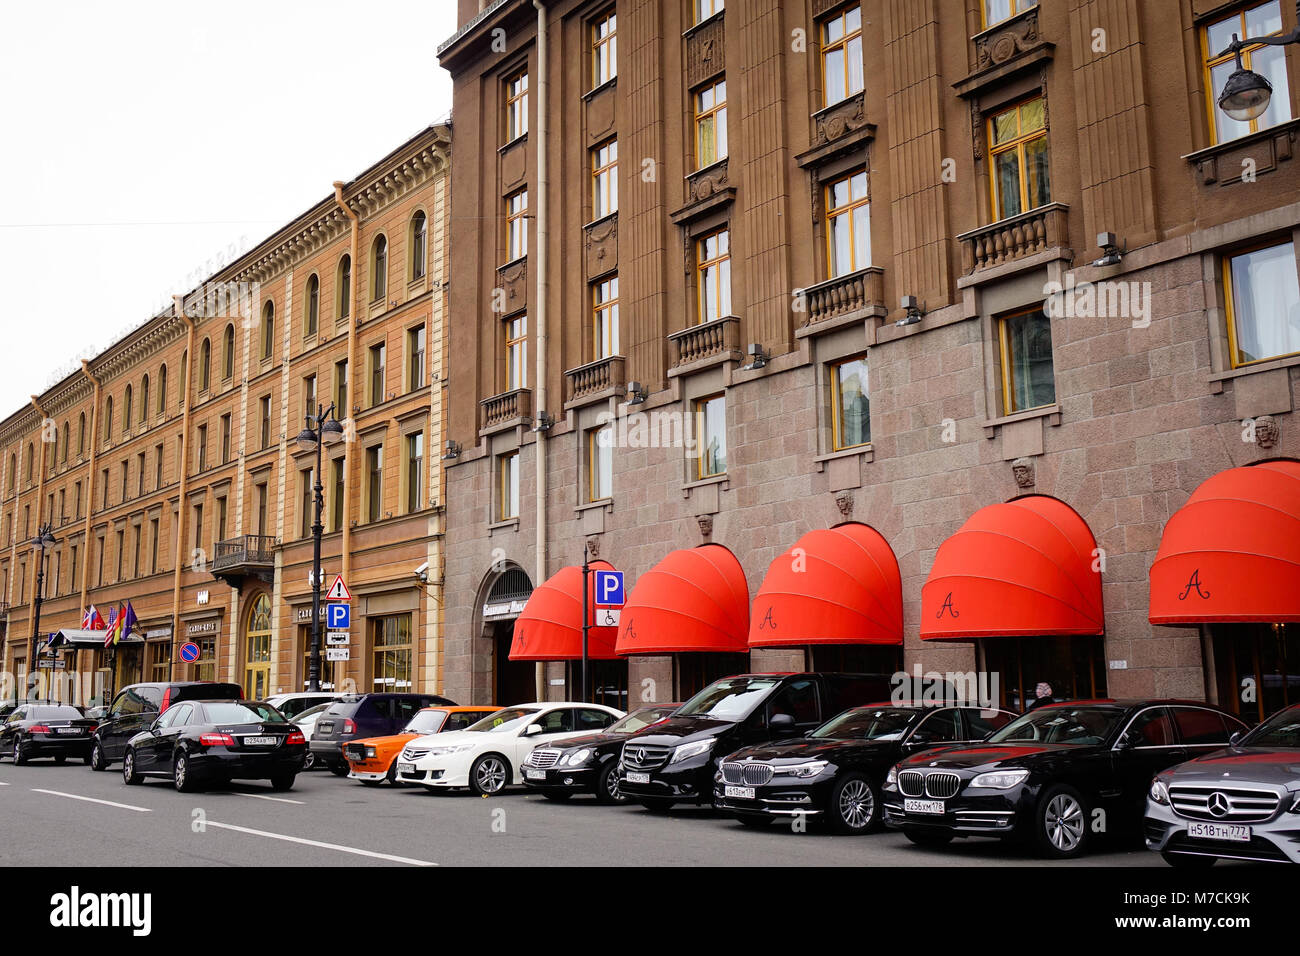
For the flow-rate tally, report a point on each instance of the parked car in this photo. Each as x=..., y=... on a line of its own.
x=676, y=760
x=291, y=705
x=135, y=707
x=373, y=760
x=198, y=742
x=488, y=756
x=1043, y=776
x=45, y=730
x=306, y=721
x=589, y=764
x=1240, y=803
x=364, y=715
x=835, y=773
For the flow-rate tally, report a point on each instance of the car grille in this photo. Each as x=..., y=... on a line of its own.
x=355, y=751
x=644, y=756
x=414, y=753
x=748, y=774
x=938, y=784
x=1224, y=804
x=541, y=759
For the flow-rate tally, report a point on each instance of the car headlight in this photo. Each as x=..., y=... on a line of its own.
x=810, y=769
x=1000, y=779
x=1159, y=793
x=576, y=758
x=891, y=778
x=443, y=751
x=687, y=751
x=370, y=752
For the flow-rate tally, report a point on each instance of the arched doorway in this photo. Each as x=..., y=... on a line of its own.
x=257, y=649
x=512, y=682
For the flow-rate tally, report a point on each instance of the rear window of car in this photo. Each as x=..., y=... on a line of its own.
x=206, y=692
x=54, y=712
x=342, y=709
x=243, y=712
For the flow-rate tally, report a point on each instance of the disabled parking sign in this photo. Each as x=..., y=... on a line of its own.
x=609, y=588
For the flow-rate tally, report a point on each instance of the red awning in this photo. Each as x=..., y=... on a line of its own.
x=1232, y=553
x=550, y=626
x=1021, y=568
x=834, y=586
x=695, y=599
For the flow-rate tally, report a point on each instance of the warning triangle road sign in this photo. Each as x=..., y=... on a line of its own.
x=338, y=590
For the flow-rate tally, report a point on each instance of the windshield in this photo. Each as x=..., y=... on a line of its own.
x=869, y=723
x=1077, y=726
x=733, y=698
x=242, y=712
x=426, y=722
x=510, y=718
x=1280, y=730
x=639, y=720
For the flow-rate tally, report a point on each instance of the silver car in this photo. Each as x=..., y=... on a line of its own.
x=1242, y=803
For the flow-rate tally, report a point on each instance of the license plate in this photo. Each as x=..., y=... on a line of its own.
x=633, y=777
x=742, y=793
x=1232, y=832
x=923, y=806
x=68, y=730
x=534, y=774
x=259, y=741
x=405, y=767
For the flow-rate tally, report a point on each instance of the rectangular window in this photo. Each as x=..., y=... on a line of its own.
x=604, y=50
x=72, y=582
x=203, y=448
x=848, y=224
x=851, y=404
x=341, y=388
x=103, y=485
x=1248, y=23
x=99, y=565
x=842, y=55
x=377, y=374
x=391, y=639
x=516, y=353
x=1028, y=380
x=135, y=551
x=221, y=518
x=261, y=497
x=995, y=11
x=1018, y=143
x=157, y=467
x=508, y=486
x=126, y=473
x=415, y=358
x=711, y=435
x=604, y=179
x=600, y=462
x=225, y=438
x=374, y=482
x=153, y=546
x=198, y=526
x=305, y=503
x=517, y=225
x=706, y=8
x=710, y=124
x=76, y=500
x=605, y=317
x=414, y=471
x=1263, y=298
x=120, y=540
x=309, y=397
x=713, y=275
x=264, y=407
x=516, y=106
x=336, y=501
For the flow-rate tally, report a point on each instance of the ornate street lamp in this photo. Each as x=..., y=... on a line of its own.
x=1246, y=95
x=322, y=429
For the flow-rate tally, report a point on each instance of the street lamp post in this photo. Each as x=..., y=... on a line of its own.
x=43, y=541
x=1246, y=94
x=322, y=429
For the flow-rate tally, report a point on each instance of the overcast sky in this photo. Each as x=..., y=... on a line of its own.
x=145, y=143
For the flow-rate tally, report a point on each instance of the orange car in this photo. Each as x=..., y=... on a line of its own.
x=374, y=759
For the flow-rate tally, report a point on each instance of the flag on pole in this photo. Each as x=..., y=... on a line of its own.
x=93, y=621
x=129, y=620
x=112, y=627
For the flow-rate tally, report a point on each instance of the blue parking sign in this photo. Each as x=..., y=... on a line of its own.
x=609, y=588
x=338, y=617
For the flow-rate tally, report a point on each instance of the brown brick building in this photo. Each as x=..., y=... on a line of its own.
x=168, y=470
x=824, y=237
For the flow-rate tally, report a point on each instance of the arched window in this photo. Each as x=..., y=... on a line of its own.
x=417, y=243
x=128, y=401
x=268, y=330
x=144, y=399
x=343, y=285
x=311, y=316
x=162, y=390
x=228, y=353
x=81, y=434
x=379, y=269
x=205, y=365
x=108, y=418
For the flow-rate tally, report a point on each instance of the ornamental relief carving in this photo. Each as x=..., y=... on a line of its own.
x=841, y=119
x=512, y=279
x=706, y=182
x=705, y=53
x=1006, y=41
x=601, y=242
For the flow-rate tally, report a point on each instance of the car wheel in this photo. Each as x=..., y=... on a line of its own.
x=556, y=796
x=490, y=774
x=283, y=781
x=97, y=761
x=310, y=761
x=20, y=755
x=391, y=776
x=607, y=791
x=339, y=769
x=130, y=776
x=182, y=778
x=854, y=805
x=1185, y=861
x=656, y=804
x=1061, y=823
x=928, y=838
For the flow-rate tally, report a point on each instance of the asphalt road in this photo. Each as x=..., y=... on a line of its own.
x=71, y=816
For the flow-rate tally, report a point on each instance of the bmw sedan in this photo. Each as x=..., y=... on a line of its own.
x=1058, y=776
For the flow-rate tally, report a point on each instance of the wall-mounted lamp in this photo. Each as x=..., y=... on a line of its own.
x=757, y=357
x=636, y=393
x=914, y=308
x=452, y=452
x=1110, y=248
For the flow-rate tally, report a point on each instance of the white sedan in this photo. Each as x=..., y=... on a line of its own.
x=486, y=756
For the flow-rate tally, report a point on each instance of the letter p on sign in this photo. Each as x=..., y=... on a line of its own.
x=609, y=588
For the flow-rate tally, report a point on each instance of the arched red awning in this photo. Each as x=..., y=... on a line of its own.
x=1232, y=553
x=1021, y=568
x=695, y=599
x=833, y=586
x=550, y=626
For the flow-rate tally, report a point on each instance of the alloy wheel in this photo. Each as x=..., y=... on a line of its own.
x=180, y=770
x=857, y=805
x=491, y=775
x=1063, y=821
x=611, y=786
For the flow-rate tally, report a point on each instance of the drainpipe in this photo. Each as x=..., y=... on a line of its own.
x=543, y=187
x=90, y=492
x=181, y=518
x=355, y=316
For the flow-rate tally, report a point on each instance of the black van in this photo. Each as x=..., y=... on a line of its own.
x=135, y=707
x=364, y=715
x=675, y=760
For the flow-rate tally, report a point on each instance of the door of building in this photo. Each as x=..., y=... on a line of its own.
x=257, y=643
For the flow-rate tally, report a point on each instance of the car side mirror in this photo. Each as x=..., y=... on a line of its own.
x=781, y=723
x=1235, y=738
x=532, y=730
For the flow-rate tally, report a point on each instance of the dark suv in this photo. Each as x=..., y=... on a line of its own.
x=675, y=760
x=364, y=715
x=134, y=708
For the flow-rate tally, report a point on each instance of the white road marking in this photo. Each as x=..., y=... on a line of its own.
x=107, y=803
x=263, y=796
x=326, y=846
x=3, y=784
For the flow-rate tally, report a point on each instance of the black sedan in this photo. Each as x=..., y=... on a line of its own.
x=46, y=730
x=1059, y=776
x=589, y=764
x=835, y=773
x=214, y=741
